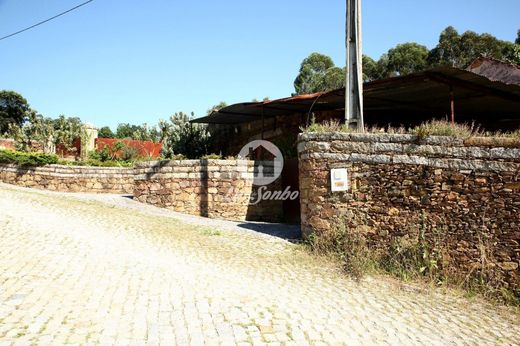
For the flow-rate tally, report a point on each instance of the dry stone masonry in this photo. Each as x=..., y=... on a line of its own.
x=219, y=189
x=462, y=196
x=70, y=178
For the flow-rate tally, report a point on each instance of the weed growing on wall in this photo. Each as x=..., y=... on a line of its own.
x=418, y=253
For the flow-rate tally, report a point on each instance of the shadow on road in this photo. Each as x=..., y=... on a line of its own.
x=291, y=233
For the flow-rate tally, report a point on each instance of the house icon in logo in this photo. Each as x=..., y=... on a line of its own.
x=264, y=161
x=267, y=161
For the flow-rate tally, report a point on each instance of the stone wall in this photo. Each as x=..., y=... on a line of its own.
x=70, y=178
x=214, y=188
x=461, y=195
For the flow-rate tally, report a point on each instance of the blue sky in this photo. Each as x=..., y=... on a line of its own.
x=138, y=61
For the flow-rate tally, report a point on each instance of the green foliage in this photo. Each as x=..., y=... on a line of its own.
x=374, y=70
x=105, y=132
x=13, y=109
x=126, y=131
x=182, y=137
x=445, y=128
x=346, y=242
x=459, y=51
x=67, y=130
x=91, y=161
x=177, y=157
x=417, y=252
x=211, y=157
x=142, y=132
x=119, y=152
x=50, y=132
x=326, y=126
x=318, y=73
x=129, y=153
x=429, y=128
x=216, y=107
x=453, y=49
x=27, y=159
x=147, y=133
x=517, y=41
x=406, y=58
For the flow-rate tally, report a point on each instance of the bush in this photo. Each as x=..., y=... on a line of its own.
x=182, y=137
x=445, y=128
x=27, y=159
x=326, y=126
x=346, y=242
x=97, y=163
x=419, y=252
x=211, y=157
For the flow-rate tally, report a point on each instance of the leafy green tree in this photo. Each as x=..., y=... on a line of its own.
x=448, y=50
x=13, y=109
x=407, y=58
x=517, y=41
x=460, y=50
x=66, y=131
x=334, y=78
x=105, y=132
x=374, y=70
x=145, y=132
x=318, y=73
x=47, y=132
x=126, y=131
x=217, y=107
x=184, y=138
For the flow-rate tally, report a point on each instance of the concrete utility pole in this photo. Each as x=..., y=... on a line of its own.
x=354, y=77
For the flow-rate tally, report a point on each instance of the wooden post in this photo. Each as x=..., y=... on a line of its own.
x=452, y=105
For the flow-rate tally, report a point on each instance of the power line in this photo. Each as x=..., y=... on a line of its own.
x=46, y=20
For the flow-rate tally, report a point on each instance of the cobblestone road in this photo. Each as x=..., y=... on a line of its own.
x=77, y=270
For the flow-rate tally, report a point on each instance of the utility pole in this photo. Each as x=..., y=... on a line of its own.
x=354, y=67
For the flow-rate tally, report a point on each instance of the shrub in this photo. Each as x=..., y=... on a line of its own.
x=27, y=159
x=445, y=128
x=211, y=157
x=183, y=137
x=346, y=241
x=129, y=153
x=326, y=126
x=177, y=157
x=419, y=252
x=97, y=163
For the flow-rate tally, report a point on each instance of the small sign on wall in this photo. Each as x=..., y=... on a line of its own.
x=339, y=180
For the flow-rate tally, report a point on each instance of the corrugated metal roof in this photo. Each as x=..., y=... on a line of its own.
x=392, y=100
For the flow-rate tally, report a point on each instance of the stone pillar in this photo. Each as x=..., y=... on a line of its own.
x=88, y=143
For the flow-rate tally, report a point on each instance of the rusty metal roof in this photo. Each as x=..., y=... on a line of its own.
x=496, y=70
x=250, y=111
x=400, y=100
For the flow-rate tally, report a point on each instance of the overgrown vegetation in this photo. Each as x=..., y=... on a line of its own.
x=429, y=128
x=419, y=255
x=182, y=137
x=47, y=133
x=97, y=163
x=445, y=128
x=27, y=159
x=326, y=126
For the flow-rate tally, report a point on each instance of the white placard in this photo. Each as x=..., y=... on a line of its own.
x=339, y=180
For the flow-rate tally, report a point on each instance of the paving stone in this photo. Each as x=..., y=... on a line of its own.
x=86, y=269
